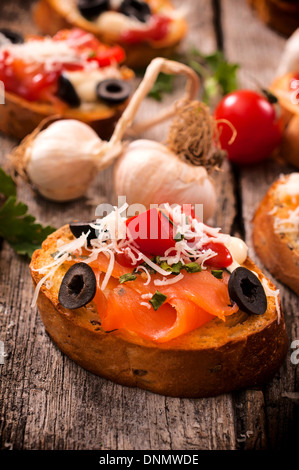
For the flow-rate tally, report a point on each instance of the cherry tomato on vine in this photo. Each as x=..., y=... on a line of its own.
x=257, y=122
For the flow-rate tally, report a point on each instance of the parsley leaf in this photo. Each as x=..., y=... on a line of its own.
x=218, y=76
x=7, y=185
x=163, y=84
x=17, y=226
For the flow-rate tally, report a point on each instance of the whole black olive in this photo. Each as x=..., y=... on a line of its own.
x=113, y=91
x=78, y=286
x=12, y=36
x=136, y=9
x=77, y=228
x=67, y=92
x=92, y=8
x=246, y=290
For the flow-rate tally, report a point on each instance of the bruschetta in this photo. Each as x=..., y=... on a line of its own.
x=160, y=301
x=286, y=89
x=276, y=230
x=281, y=15
x=145, y=29
x=71, y=75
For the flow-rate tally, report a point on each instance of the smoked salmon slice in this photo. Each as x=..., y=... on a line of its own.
x=172, y=319
x=193, y=301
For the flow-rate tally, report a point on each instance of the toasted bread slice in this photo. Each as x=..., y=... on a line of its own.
x=276, y=230
x=218, y=357
x=53, y=15
x=19, y=117
x=288, y=100
x=281, y=15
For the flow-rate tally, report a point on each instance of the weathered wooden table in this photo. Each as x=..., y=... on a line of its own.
x=46, y=400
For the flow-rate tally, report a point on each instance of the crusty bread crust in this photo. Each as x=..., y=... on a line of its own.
x=283, y=16
x=289, y=149
x=216, y=358
x=276, y=251
x=50, y=18
x=19, y=117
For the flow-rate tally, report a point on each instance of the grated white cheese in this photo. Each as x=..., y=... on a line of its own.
x=273, y=293
x=112, y=238
x=109, y=270
x=146, y=296
x=147, y=273
x=166, y=282
x=288, y=225
x=145, y=304
x=288, y=186
x=47, y=51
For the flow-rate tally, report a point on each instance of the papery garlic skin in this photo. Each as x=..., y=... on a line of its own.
x=289, y=61
x=148, y=173
x=60, y=160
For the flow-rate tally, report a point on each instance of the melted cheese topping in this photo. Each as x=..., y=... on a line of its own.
x=85, y=82
x=47, y=52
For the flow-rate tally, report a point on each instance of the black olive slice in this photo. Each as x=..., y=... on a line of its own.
x=91, y=8
x=78, y=286
x=12, y=36
x=77, y=228
x=136, y=9
x=246, y=290
x=113, y=91
x=67, y=92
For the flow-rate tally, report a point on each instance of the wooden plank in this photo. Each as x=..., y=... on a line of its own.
x=47, y=401
x=257, y=49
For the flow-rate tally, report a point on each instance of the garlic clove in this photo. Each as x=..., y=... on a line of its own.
x=61, y=159
x=148, y=173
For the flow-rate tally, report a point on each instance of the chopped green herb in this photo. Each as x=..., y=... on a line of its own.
x=176, y=268
x=56, y=253
x=168, y=218
x=163, y=84
x=217, y=273
x=149, y=268
x=179, y=237
x=156, y=259
x=127, y=277
x=18, y=227
x=165, y=266
x=192, y=267
x=157, y=300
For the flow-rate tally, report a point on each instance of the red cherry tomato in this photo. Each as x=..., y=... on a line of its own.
x=34, y=82
x=222, y=259
x=152, y=231
x=258, y=124
x=155, y=32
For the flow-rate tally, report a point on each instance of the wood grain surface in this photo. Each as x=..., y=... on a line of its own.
x=47, y=402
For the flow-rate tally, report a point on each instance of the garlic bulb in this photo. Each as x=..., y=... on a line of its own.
x=60, y=159
x=289, y=61
x=147, y=173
